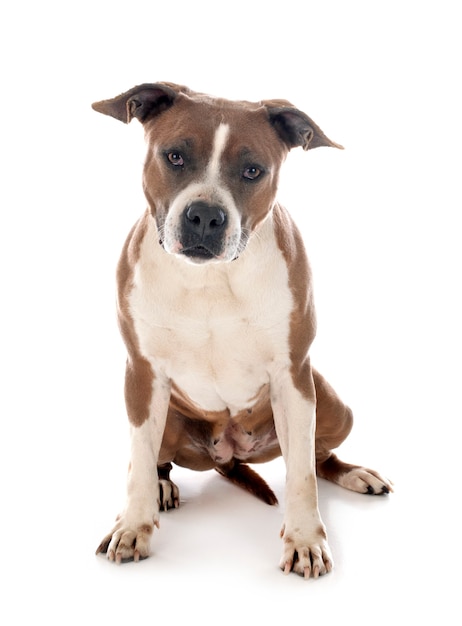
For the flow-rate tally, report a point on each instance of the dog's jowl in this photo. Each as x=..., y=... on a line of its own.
x=215, y=307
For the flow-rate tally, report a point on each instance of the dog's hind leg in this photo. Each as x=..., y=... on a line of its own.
x=334, y=421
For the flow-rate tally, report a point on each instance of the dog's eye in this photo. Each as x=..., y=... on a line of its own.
x=252, y=172
x=175, y=158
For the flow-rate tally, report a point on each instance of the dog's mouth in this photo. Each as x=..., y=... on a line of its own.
x=200, y=252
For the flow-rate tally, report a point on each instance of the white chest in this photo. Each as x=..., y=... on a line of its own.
x=215, y=330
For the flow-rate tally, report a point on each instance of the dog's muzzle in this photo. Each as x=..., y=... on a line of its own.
x=203, y=230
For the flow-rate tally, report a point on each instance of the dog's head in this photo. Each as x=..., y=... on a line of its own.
x=212, y=166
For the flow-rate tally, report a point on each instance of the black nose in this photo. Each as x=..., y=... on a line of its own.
x=205, y=219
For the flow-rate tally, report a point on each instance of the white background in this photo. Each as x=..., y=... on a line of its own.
x=381, y=221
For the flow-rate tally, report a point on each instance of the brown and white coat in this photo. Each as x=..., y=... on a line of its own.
x=216, y=309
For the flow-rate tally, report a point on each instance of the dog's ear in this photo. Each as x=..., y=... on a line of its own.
x=142, y=102
x=296, y=128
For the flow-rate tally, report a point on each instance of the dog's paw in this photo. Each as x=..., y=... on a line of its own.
x=308, y=555
x=169, y=495
x=366, y=481
x=127, y=542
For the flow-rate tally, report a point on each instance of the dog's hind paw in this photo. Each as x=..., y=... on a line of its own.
x=354, y=477
x=169, y=495
x=366, y=481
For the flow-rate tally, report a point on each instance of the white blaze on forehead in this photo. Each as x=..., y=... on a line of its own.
x=219, y=143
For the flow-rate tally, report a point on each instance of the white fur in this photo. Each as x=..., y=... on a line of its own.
x=187, y=324
x=219, y=144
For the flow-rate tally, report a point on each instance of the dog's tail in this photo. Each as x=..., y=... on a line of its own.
x=244, y=476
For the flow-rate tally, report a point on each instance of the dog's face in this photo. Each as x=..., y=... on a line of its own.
x=210, y=176
x=211, y=171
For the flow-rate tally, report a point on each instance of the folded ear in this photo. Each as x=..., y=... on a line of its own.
x=142, y=102
x=296, y=128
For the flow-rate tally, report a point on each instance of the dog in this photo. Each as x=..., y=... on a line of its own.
x=215, y=306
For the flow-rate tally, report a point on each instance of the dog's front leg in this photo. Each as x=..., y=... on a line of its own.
x=306, y=550
x=130, y=538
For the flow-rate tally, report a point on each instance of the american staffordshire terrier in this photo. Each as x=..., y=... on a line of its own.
x=215, y=306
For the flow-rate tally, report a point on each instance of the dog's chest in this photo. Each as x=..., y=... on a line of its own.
x=217, y=330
